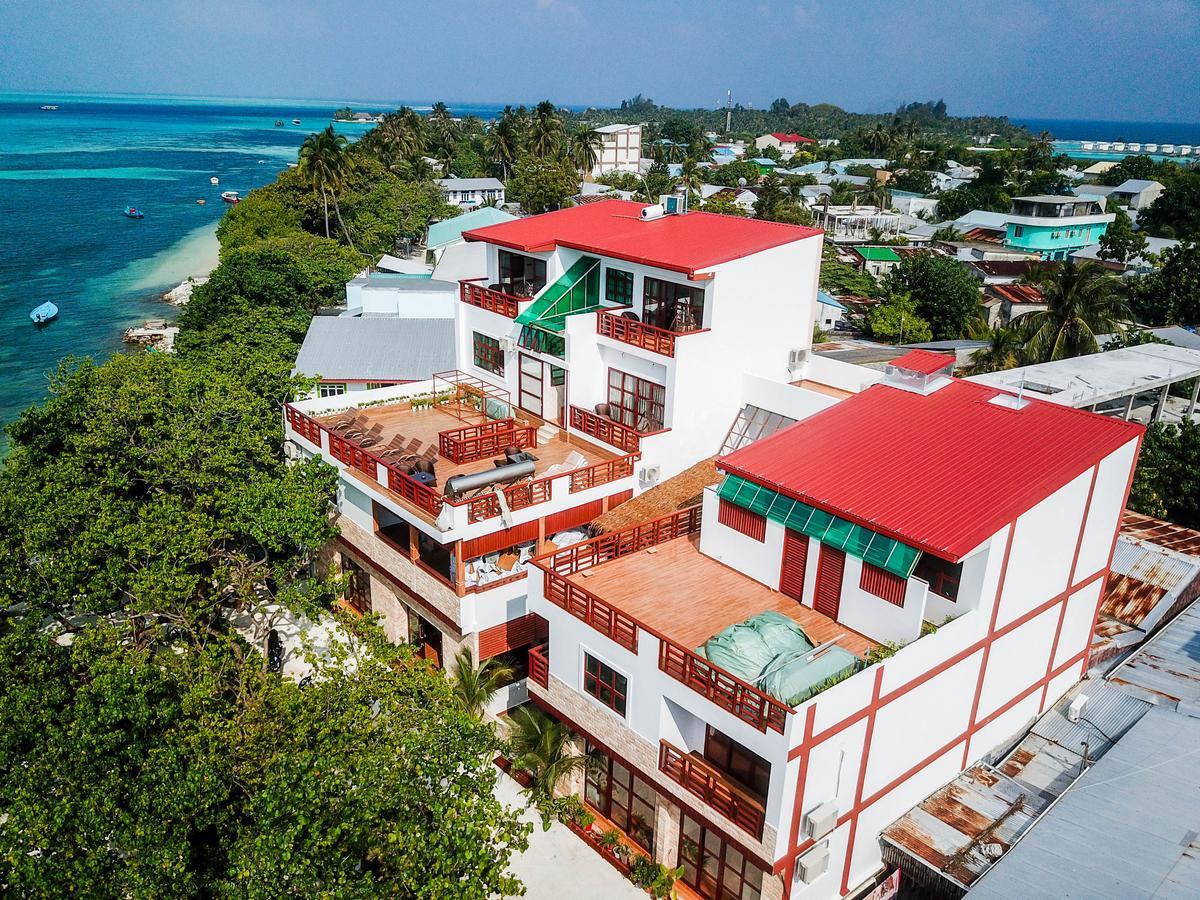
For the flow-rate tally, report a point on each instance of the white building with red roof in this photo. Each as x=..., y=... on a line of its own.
x=785, y=142
x=857, y=611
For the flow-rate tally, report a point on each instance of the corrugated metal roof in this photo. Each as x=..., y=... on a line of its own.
x=1163, y=534
x=1017, y=293
x=376, y=349
x=1166, y=669
x=877, y=254
x=682, y=243
x=922, y=468
x=445, y=232
x=1127, y=829
x=924, y=362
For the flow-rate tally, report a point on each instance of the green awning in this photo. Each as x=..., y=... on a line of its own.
x=885, y=552
x=577, y=291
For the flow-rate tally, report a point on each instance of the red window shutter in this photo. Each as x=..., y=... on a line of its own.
x=573, y=518
x=828, y=597
x=511, y=635
x=795, y=556
x=500, y=540
x=883, y=584
x=748, y=523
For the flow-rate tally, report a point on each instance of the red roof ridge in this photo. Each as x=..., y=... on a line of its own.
x=924, y=362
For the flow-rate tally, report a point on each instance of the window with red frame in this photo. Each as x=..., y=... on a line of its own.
x=882, y=584
x=636, y=402
x=358, y=585
x=488, y=354
x=605, y=684
x=943, y=576
x=748, y=523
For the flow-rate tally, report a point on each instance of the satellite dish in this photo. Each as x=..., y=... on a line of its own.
x=741, y=182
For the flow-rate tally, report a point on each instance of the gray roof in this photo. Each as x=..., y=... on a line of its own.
x=1166, y=669
x=956, y=344
x=1135, y=186
x=471, y=184
x=376, y=349
x=1127, y=829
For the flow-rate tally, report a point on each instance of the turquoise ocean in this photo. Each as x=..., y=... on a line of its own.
x=65, y=177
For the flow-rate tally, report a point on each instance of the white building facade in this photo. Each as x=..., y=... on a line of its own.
x=620, y=149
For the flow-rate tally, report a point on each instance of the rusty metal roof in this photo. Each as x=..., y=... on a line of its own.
x=1166, y=669
x=1164, y=534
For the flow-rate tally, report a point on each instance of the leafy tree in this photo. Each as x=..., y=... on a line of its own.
x=1167, y=481
x=945, y=295
x=546, y=134
x=1120, y=242
x=474, y=685
x=1003, y=351
x=959, y=201
x=775, y=204
x=1132, y=337
x=1081, y=302
x=1170, y=295
x=780, y=106
x=1137, y=166
x=583, y=149
x=896, y=321
x=540, y=185
x=323, y=165
x=725, y=205
x=947, y=232
x=915, y=180
x=842, y=278
x=541, y=747
x=732, y=174
x=1176, y=212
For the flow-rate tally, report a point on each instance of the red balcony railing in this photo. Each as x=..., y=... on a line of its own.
x=308, y=428
x=587, y=607
x=639, y=334
x=486, y=298
x=474, y=442
x=728, y=691
x=713, y=787
x=602, y=473
x=604, y=429
x=539, y=665
x=620, y=543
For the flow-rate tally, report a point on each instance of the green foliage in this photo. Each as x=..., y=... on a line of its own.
x=915, y=180
x=476, y=685
x=1082, y=301
x=1167, y=481
x=622, y=181
x=179, y=770
x=959, y=201
x=1132, y=337
x=657, y=879
x=946, y=296
x=776, y=204
x=1176, y=212
x=734, y=173
x=1119, y=241
x=896, y=321
x=885, y=650
x=1138, y=166
x=840, y=278
x=1004, y=350
x=541, y=185
x=725, y=205
x=541, y=747
x=1171, y=293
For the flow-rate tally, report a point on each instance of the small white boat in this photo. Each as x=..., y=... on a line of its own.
x=40, y=315
x=214, y=180
x=295, y=121
x=49, y=107
x=230, y=197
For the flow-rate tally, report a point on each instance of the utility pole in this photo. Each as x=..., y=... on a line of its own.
x=728, y=111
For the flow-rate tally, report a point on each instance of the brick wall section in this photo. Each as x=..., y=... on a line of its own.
x=666, y=832
x=611, y=731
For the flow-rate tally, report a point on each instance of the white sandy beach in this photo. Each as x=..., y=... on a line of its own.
x=194, y=256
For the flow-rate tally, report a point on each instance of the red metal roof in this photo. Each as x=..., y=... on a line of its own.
x=924, y=362
x=793, y=138
x=927, y=469
x=1017, y=293
x=684, y=243
x=987, y=235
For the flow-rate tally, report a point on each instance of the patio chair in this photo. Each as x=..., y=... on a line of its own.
x=574, y=460
x=350, y=423
x=394, y=447
x=345, y=417
x=372, y=437
x=430, y=453
x=413, y=447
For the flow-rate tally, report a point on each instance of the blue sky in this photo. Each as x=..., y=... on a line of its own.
x=1086, y=59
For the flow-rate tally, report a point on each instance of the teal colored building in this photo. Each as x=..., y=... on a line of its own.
x=1054, y=226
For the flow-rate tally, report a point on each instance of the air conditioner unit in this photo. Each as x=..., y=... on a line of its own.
x=507, y=344
x=822, y=820
x=650, y=474
x=1077, y=708
x=674, y=204
x=290, y=450
x=813, y=864
x=797, y=357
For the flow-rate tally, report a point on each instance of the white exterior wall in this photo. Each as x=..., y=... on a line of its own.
x=619, y=150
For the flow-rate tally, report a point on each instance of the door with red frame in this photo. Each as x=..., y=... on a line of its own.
x=828, y=596
x=795, y=557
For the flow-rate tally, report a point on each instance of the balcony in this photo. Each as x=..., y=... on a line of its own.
x=602, y=428
x=507, y=305
x=652, y=579
x=405, y=448
x=713, y=787
x=638, y=334
x=539, y=665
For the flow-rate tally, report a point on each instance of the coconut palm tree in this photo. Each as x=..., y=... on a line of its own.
x=401, y=135
x=880, y=139
x=539, y=745
x=545, y=131
x=503, y=143
x=1003, y=351
x=324, y=165
x=475, y=685
x=876, y=193
x=583, y=149
x=842, y=193
x=1082, y=301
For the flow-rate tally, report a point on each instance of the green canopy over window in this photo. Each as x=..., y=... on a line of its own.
x=885, y=552
x=577, y=291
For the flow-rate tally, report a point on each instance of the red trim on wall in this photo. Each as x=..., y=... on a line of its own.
x=789, y=861
x=510, y=635
x=574, y=517
x=500, y=540
x=862, y=778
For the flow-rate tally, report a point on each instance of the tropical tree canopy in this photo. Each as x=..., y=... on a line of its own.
x=1081, y=302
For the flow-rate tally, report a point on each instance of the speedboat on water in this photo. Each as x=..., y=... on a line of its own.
x=279, y=123
x=49, y=107
x=230, y=197
x=44, y=313
x=134, y=213
x=214, y=180
x=295, y=121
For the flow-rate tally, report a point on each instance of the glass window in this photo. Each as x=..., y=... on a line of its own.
x=358, y=585
x=330, y=389
x=635, y=402
x=372, y=385
x=715, y=869
x=675, y=307
x=618, y=287
x=605, y=684
x=523, y=275
x=621, y=796
x=943, y=577
x=744, y=766
x=488, y=355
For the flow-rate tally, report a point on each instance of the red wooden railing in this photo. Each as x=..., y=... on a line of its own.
x=713, y=787
x=539, y=665
x=587, y=607
x=419, y=495
x=602, y=473
x=306, y=427
x=639, y=334
x=728, y=691
x=620, y=543
x=604, y=429
x=473, y=442
x=486, y=298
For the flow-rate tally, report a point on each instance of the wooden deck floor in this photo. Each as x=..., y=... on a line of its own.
x=425, y=426
x=679, y=592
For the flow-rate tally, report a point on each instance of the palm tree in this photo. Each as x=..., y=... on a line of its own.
x=539, y=745
x=880, y=139
x=1003, y=351
x=691, y=176
x=545, y=131
x=876, y=193
x=401, y=135
x=476, y=685
x=842, y=194
x=1081, y=302
x=324, y=165
x=503, y=143
x=583, y=149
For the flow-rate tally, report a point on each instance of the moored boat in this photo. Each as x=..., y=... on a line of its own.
x=279, y=123
x=295, y=121
x=44, y=313
x=49, y=107
x=230, y=196
x=214, y=180
x=134, y=213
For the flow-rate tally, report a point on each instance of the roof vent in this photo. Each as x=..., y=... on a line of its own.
x=920, y=371
x=653, y=212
